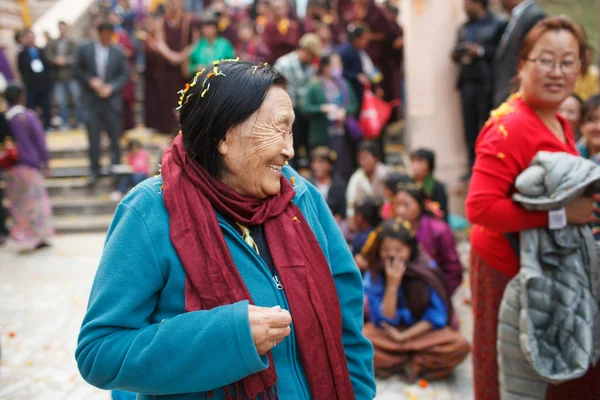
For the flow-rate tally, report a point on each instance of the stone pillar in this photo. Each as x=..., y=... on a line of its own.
x=433, y=104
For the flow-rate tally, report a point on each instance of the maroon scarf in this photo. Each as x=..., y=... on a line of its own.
x=191, y=196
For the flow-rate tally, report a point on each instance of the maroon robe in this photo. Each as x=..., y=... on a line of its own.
x=281, y=44
x=385, y=31
x=124, y=42
x=163, y=80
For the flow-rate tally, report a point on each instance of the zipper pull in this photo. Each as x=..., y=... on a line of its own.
x=277, y=283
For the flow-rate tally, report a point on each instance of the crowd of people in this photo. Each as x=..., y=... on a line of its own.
x=276, y=249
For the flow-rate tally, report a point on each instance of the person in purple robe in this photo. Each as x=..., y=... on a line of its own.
x=434, y=235
x=5, y=69
x=26, y=192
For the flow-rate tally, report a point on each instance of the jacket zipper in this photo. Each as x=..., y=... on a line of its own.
x=282, y=299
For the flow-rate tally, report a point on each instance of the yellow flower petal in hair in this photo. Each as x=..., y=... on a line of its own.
x=231, y=60
x=205, y=91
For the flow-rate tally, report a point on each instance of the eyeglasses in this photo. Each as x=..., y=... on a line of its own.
x=548, y=65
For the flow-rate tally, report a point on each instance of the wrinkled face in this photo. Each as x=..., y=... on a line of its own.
x=570, y=109
x=420, y=168
x=367, y=161
x=590, y=128
x=321, y=168
x=548, y=87
x=394, y=248
x=255, y=151
x=407, y=207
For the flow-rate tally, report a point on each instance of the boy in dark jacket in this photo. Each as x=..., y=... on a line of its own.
x=423, y=167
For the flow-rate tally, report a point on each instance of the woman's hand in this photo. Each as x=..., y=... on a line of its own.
x=269, y=326
x=579, y=210
x=328, y=108
x=393, y=332
x=394, y=272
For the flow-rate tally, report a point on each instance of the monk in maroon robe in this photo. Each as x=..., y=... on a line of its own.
x=386, y=38
x=167, y=48
x=282, y=33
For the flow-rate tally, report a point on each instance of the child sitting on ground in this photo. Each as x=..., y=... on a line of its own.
x=423, y=167
x=139, y=161
x=366, y=218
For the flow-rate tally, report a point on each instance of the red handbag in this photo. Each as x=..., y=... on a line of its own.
x=9, y=154
x=374, y=114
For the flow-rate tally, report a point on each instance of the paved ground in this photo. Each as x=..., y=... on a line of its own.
x=42, y=301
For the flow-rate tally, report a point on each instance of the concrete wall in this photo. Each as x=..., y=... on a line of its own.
x=433, y=104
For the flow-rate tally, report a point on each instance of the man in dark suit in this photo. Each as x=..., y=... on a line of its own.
x=101, y=69
x=478, y=40
x=524, y=15
x=35, y=70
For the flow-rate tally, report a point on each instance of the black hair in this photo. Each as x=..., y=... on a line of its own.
x=230, y=100
x=356, y=30
x=105, y=26
x=325, y=61
x=484, y=3
x=134, y=143
x=370, y=209
x=402, y=231
x=370, y=146
x=62, y=23
x=393, y=179
x=414, y=190
x=13, y=93
x=427, y=155
x=18, y=34
x=590, y=107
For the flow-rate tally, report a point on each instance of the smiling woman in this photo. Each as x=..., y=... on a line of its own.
x=227, y=277
x=550, y=61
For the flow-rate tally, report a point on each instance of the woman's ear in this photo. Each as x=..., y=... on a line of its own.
x=223, y=146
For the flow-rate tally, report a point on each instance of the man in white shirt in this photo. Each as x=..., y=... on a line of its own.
x=525, y=14
x=101, y=69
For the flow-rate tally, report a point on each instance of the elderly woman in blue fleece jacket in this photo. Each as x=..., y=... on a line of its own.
x=226, y=276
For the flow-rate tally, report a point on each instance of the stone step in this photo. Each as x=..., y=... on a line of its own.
x=78, y=224
x=83, y=205
x=78, y=186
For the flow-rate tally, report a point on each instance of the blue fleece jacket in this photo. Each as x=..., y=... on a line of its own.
x=136, y=335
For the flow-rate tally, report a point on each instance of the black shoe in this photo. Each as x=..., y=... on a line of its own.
x=43, y=245
x=92, y=180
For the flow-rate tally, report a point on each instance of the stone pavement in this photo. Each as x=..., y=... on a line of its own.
x=43, y=297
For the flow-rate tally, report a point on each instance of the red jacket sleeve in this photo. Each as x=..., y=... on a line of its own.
x=503, y=152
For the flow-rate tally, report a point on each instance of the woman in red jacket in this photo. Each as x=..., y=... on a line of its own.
x=549, y=62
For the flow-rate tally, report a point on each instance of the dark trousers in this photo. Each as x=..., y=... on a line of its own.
x=40, y=98
x=3, y=214
x=100, y=119
x=300, y=131
x=476, y=106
